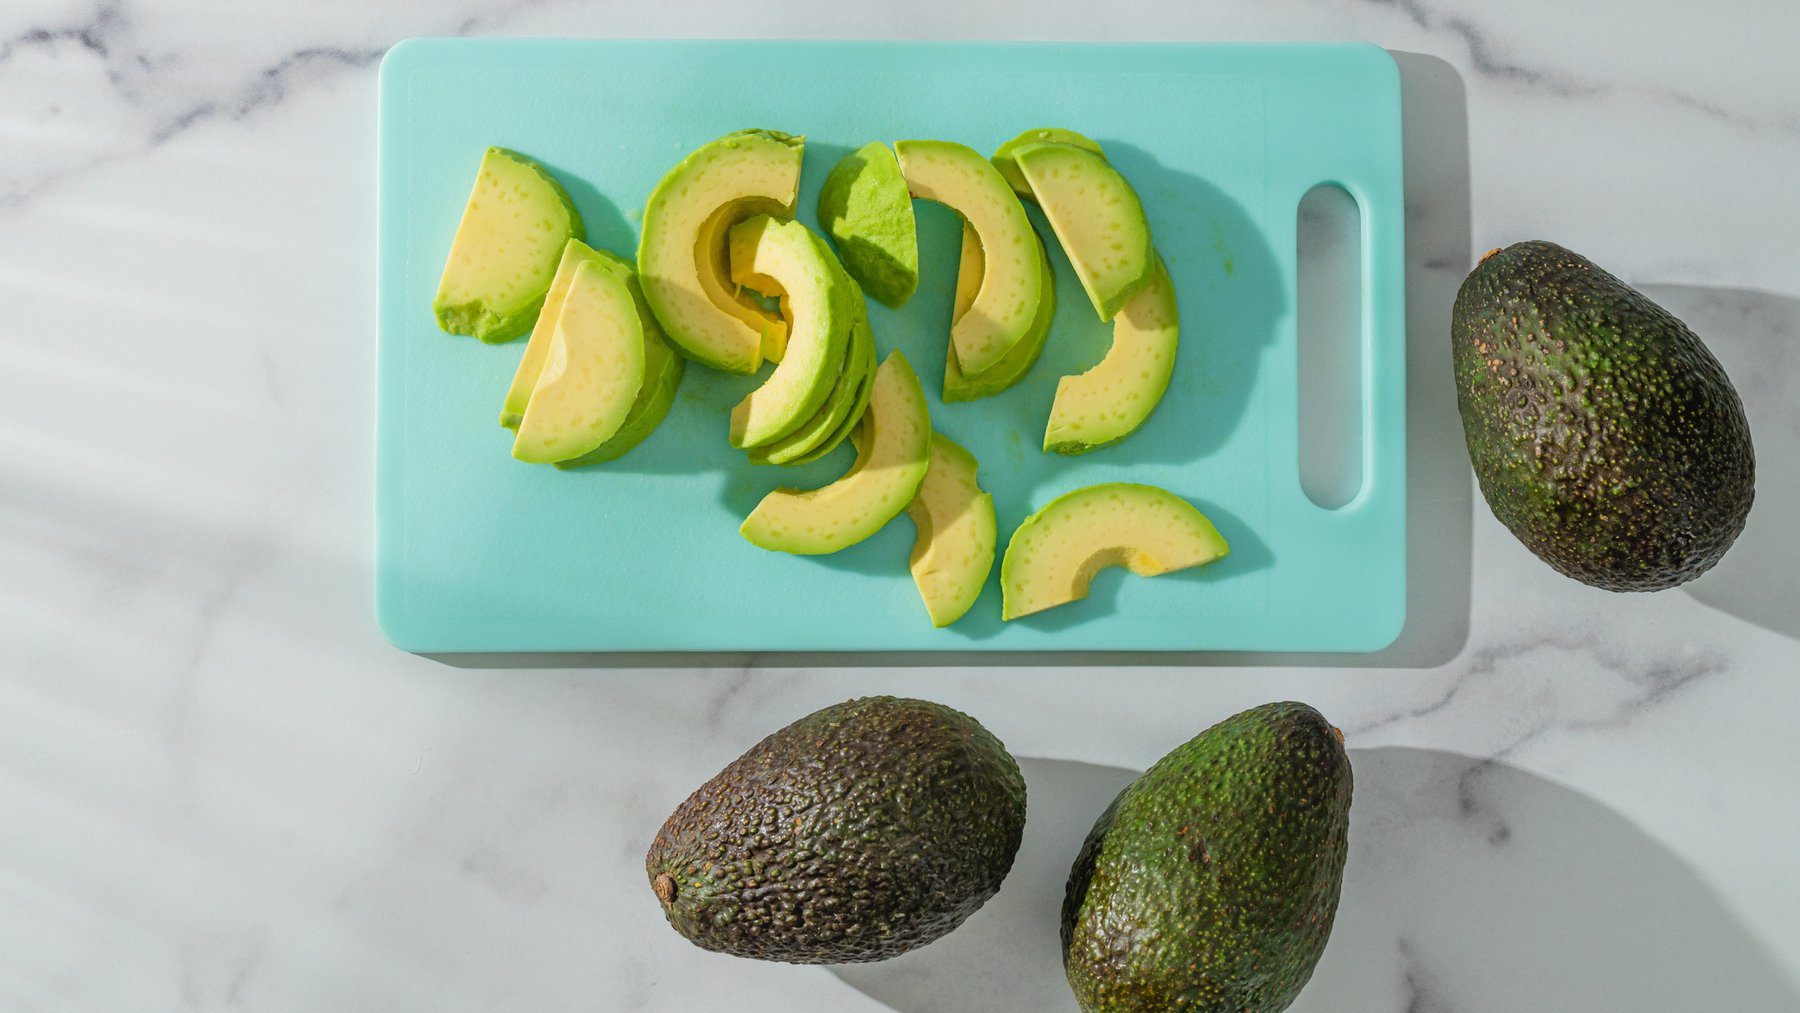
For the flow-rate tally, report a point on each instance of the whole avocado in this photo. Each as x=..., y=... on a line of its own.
x=1603, y=433
x=857, y=833
x=1210, y=883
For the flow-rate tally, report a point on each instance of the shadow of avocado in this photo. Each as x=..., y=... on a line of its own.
x=1249, y=553
x=1471, y=885
x=1756, y=337
x=606, y=227
x=1230, y=295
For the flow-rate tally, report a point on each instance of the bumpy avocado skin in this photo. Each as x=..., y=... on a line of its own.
x=1603, y=433
x=1210, y=883
x=857, y=833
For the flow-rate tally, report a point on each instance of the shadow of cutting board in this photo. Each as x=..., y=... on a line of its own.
x=477, y=552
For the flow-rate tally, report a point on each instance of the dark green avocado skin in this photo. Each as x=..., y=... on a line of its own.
x=1210, y=883
x=857, y=833
x=1603, y=433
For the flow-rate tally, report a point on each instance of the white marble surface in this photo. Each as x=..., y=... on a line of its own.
x=223, y=791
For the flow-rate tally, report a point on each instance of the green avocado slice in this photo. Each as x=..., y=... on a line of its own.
x=1054, y=555
x=1097, y=218
x=1110, y=401
x=953, y=551
x=506, y=249
x=865, y=208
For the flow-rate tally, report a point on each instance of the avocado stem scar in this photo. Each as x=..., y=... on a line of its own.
x=664, y=887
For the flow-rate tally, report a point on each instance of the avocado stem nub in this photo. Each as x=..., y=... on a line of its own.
x=664, y=887
x=1490, y=253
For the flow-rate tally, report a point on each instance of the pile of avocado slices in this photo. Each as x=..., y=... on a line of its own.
x=727, y=278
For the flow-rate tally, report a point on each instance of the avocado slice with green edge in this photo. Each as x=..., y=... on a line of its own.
x=592, y=371
x=1016, y=363
x=682, y=253
x=953, y=550
x=1003, y=155
x=859, y=363
x=518, y=395
x=821, y=305
x=852, y=420
x=865, y=208
x=663, y=370
x=1110, y=401
x=1006, y=303
x=889, y=466
x=1211, y=882
x=857, y=833
x=1056, y=552
x=1097, y=218
x=506, y=249
x=1603, y=433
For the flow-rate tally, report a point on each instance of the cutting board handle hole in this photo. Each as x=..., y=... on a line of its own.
x=1329, y=318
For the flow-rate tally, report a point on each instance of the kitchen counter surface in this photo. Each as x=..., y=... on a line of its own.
x=224, y=791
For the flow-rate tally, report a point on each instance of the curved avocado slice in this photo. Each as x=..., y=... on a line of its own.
x=1011, y=286
x=663, y=370
x=865, y=208
x=822, y=305
x=591, y=372
x=1016, y=363
x=1054, y=555
x=1110, y=401
x=574, y=254
x=1097, y=218
x=1003, y=155
x=853, y=418
x=858, y=365
x=954, y=549
x=682, y=257
x=889, y=467
x=506, y=249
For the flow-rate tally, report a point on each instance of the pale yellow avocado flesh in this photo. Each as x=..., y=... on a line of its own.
x=506, y=249
x=712, y=250
x=1055, y=553
x=574, y=254
x=681, y=258
x=1110, y=401
x=890, y=464
x=1097, y=218
x=822, y=306
x=1012, y=367
x=1007, y=300
x=953, y=551
x=591, y=374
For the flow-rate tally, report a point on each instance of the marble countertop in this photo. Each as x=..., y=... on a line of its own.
x=224, y=791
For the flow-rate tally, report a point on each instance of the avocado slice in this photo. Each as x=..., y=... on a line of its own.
x=1055, y=553
x=1210, y=883
x=1603, y=433
x=506, y=249
x=1097, y=218
x=663, y=370
x=574, y=254
x=682, y=254
x=1110, y=401
x=852, y=421
x=1003, y=155
x=857, y=833
x=953, y=551
x=831, y=419
x=591, y=372
x=1012, y=284
x=822, y=305
x=1016, y=363
x=889, y=467
x=865, y=208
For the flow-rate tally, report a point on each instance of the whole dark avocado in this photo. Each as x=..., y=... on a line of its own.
x=1603, y=433
x=1210, y=883
x=857, y=833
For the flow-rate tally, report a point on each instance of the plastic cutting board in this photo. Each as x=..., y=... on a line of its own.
x=477, y=552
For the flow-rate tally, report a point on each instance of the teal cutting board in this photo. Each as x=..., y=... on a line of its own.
x=477, y=552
